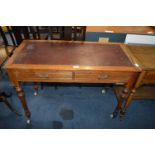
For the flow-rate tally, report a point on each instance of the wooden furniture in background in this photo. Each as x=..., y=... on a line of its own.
x=48, y=33
x=5, y=51
x=4, y=36
x=25, y=32
x=76, y=33
x=3, y=98
x=145, y=84
x=4, y=43
x=71, y=62
x=122, y=29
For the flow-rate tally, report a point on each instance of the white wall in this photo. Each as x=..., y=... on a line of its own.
x=140, y=39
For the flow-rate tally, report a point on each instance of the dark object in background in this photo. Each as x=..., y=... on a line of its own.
x=49, y=33
x=7, y=45
x=3, y=98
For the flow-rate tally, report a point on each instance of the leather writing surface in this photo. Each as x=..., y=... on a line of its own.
x=63, y=53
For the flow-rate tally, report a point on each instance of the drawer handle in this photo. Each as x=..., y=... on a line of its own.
x=102, y=77
x=43, y=75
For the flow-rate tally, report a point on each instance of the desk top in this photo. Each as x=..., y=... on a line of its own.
x=69, y=53
x=64, y=53
x=145, y=55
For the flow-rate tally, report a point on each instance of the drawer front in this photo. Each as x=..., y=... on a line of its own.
x=149, y=78
x=119, y=77
x=42, y=75
x=102, y=76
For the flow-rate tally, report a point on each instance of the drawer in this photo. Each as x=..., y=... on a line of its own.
x=42, y=75
x=102, y=76
x=72, y=76
x=149, y=78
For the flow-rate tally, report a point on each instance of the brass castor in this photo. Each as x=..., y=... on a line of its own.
x=121, y=115
x=103, y=91
x=28, y=121
x=35, y=93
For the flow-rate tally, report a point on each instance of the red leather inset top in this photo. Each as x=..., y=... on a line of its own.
x=63, y=53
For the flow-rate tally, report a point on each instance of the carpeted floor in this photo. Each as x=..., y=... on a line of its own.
x=73, y=107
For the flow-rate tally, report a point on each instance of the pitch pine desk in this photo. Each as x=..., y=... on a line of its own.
x=71, y=62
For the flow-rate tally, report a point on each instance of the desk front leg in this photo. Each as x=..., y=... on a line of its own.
x=127, y=103
x=130, y=91
x=121, y=98
x=13, y=78
x=21, y=97
x=124, y=95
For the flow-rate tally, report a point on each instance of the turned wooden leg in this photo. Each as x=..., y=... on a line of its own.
x=131, y=85
x=127, y=103
x=120, y=102
x=36, y=87
x=21, y=97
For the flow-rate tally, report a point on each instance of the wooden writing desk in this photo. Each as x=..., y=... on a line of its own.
x=145, y=85
x=71, y=62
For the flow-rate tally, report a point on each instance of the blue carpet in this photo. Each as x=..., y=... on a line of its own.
x=74, y=107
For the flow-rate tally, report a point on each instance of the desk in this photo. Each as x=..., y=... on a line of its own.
x=145, y=85
x=71, y=62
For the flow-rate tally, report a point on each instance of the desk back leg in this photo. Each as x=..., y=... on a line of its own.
x=36, y=87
